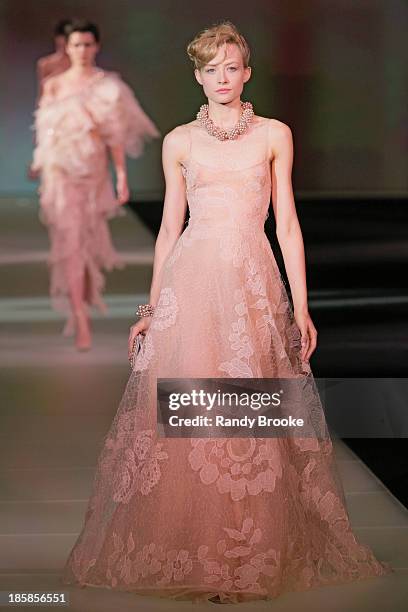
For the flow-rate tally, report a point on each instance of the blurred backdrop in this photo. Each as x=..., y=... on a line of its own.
x=334, y=70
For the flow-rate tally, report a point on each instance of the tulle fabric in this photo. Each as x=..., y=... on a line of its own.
x=241, y=518
x=76, y=192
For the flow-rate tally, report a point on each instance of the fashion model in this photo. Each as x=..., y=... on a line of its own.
x=219, y=519
x=57, y=62
x=84, y=115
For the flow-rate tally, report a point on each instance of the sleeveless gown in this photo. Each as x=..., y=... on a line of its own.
x=239, y=518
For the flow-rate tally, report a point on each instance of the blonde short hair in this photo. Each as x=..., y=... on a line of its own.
x=205, y=45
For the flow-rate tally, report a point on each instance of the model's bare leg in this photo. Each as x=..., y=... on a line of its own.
x=69, y=327
x=76, y=283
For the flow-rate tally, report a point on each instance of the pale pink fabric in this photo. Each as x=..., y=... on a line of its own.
x=76, y=192
x=241, y=518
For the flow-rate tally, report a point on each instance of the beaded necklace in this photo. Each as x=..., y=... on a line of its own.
x=245, y=119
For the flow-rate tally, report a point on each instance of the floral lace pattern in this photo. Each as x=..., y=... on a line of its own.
x=152, y=560
x=237, y=467
x=241, y=544
x=239, y=365
x=236, y=565
x=140, y=469
x=166, y=309
x=172, y=566
x=241, y=518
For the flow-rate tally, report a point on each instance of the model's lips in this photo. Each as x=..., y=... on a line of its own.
x=223, y=90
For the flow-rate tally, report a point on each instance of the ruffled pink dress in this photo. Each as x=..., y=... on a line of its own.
x=77, y=197
x=241, y=518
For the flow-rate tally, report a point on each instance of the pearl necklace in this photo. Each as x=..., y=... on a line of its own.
x=242, y=125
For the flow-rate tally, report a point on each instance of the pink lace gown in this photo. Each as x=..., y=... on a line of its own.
x=76, y=193
x=242, y=518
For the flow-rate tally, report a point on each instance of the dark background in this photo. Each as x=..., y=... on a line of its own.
x=334, y=70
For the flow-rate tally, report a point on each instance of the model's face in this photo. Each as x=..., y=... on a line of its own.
x=223, y=78
x=82, y=48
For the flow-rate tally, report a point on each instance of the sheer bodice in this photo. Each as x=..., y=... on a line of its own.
x=227, y=185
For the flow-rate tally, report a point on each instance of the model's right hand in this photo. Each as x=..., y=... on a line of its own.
x=140, y=327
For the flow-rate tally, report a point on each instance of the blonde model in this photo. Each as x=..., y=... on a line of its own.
x=219, y=519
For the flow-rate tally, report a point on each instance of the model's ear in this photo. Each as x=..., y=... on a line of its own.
x=197, y=75
x=247, y=73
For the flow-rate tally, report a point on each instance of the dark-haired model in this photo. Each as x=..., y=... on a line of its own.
x=220, y=519
x=57, y=62
x=84, y=114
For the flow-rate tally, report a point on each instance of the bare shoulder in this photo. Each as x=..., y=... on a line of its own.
x=274, y=127
x=278, y=129
x=52, y=84
x=42, y=62
x=45, y=60
x=176, y=142
x=280, y=139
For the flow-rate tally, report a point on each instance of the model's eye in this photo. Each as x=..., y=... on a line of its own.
x=233, y=68
x=210, y=70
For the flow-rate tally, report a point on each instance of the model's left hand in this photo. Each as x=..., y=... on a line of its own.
x=309, y=334
x=122, y=189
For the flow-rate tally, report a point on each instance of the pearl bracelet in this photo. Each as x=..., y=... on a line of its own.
x=145, y=310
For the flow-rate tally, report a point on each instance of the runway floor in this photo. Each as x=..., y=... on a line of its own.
x=56, y=406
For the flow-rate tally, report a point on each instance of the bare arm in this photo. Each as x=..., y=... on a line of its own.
x=288, y=229
x=174, y=211
x=40, y=77
x=175, y=204
x=44, y=77
x=119, y=161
